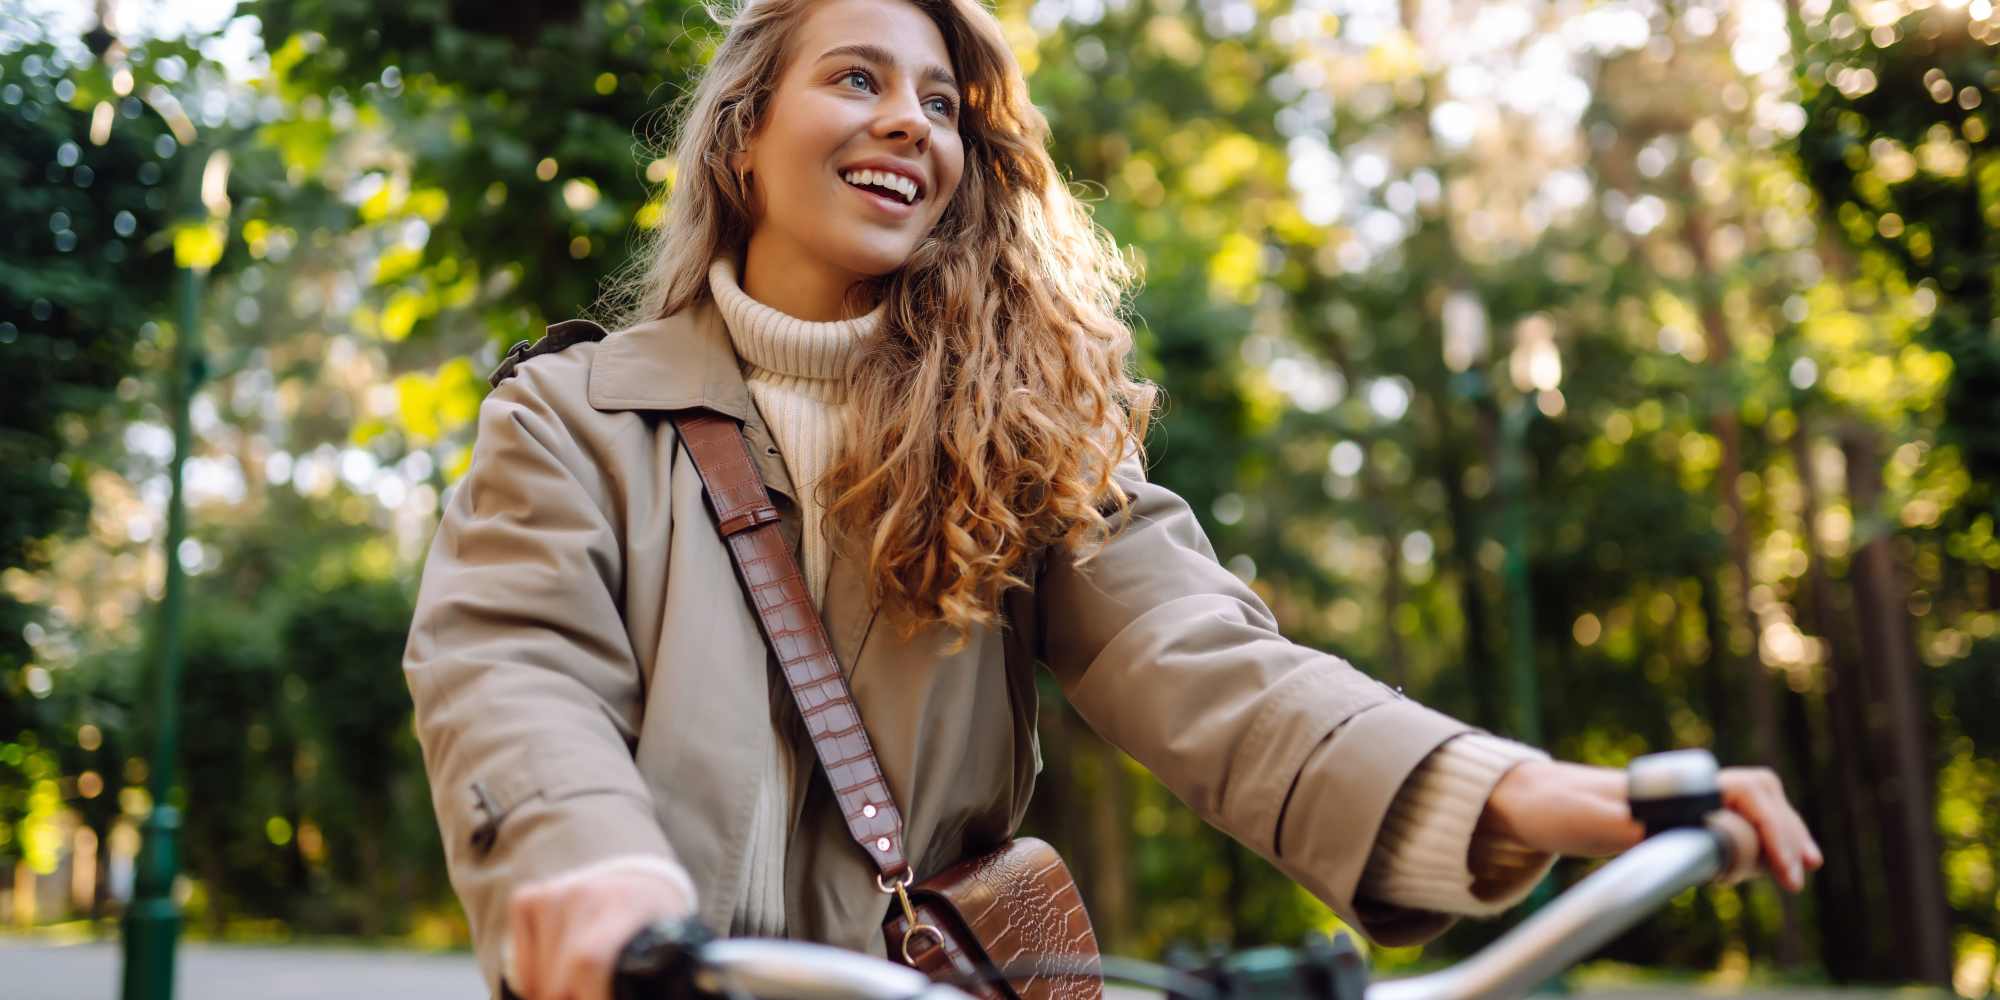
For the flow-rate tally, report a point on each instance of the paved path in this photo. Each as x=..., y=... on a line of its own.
x=32, y=970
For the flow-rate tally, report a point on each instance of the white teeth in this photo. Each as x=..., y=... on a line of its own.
x=894, y=182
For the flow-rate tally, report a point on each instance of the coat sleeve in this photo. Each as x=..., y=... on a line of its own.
x=527, y=691
x=1294, y=752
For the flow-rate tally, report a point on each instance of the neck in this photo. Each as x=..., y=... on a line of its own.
x=796, y=284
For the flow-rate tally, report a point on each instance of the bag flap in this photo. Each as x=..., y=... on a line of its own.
x=1022, y=907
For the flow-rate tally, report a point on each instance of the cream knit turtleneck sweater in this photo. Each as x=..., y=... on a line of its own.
x=795, y=370
x=797, y=374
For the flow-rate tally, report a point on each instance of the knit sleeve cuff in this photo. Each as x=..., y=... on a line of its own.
x=1429, y=854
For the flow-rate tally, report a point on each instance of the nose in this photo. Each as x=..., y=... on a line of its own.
x=903, y=120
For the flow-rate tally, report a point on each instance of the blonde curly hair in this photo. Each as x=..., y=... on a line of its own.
x=994, y=401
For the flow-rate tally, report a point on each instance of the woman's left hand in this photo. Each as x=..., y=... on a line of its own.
x=1566, y=808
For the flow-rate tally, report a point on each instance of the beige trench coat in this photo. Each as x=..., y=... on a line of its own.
x=590, y=681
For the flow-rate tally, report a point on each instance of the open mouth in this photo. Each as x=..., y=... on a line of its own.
x=893, y=188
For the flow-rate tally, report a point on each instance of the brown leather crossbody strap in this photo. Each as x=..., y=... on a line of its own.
x=749, y=525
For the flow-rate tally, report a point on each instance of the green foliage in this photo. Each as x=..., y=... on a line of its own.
x=1900, y=145
x=519, y=129
x=326, y=823
x=76, y=285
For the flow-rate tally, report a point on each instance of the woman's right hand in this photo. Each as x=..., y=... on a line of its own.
x=565, y=932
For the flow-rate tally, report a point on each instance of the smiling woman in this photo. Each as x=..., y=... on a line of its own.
x=870, y=267
x=952, y=458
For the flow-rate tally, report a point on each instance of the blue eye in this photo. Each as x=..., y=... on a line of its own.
x=946, y=106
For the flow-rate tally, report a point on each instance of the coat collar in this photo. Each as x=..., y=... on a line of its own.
x=679, y=362
x=686, y=361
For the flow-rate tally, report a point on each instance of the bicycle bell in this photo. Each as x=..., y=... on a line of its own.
x=1673, y=789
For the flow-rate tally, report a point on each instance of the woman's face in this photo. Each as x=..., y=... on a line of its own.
x=869, y=85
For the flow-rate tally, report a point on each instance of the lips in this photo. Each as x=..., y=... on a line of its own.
x=886, y=204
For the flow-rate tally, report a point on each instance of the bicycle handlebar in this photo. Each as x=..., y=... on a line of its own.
x=1595, y=910
x=773, y=969
x=1679, y=792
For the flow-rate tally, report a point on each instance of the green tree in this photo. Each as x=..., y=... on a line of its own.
x=1898, y=148
x=85, y=175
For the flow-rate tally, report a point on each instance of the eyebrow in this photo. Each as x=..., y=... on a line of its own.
x=877, y=54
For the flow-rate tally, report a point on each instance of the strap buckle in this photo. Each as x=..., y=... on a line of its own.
x=742, y=521
x=916, y=928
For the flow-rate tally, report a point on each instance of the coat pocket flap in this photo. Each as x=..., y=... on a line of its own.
x=522, y=773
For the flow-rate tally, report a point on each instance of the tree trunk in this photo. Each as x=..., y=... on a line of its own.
x=1852, y=915
x=1392, y=578
x=1477, y=657
x=1815, y=799
x=1897, y=730
x=1759, y=695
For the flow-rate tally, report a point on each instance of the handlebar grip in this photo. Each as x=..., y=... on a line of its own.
x=658, y=962
x=1678, y=788
x=1682, y=788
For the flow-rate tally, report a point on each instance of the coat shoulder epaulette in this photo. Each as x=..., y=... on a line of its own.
x=560, y=336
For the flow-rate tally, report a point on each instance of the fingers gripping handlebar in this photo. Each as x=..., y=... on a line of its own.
x=1683, y=788
x=1691, y=840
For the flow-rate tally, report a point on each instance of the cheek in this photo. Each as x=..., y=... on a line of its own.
x=801, y=138
x=953, y=169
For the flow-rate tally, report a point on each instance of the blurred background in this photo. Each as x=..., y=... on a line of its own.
x=1618, y=375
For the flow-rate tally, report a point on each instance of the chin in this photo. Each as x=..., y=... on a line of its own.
x=875, y=261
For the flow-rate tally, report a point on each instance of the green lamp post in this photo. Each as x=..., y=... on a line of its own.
x=152, y=921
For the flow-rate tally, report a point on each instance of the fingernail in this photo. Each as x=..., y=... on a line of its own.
x=1798, y=877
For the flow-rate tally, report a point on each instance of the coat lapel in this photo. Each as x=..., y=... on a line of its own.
x=849, y=609
x=684, y=362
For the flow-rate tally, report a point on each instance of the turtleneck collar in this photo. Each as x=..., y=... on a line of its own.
x=781, y=343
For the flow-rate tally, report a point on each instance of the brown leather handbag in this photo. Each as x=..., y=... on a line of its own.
x=1015, y=910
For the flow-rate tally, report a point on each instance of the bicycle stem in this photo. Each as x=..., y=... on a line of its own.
x=1595, y=910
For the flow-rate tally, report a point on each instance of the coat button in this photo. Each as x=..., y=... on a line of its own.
x=882, y=844
x=868, y=810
